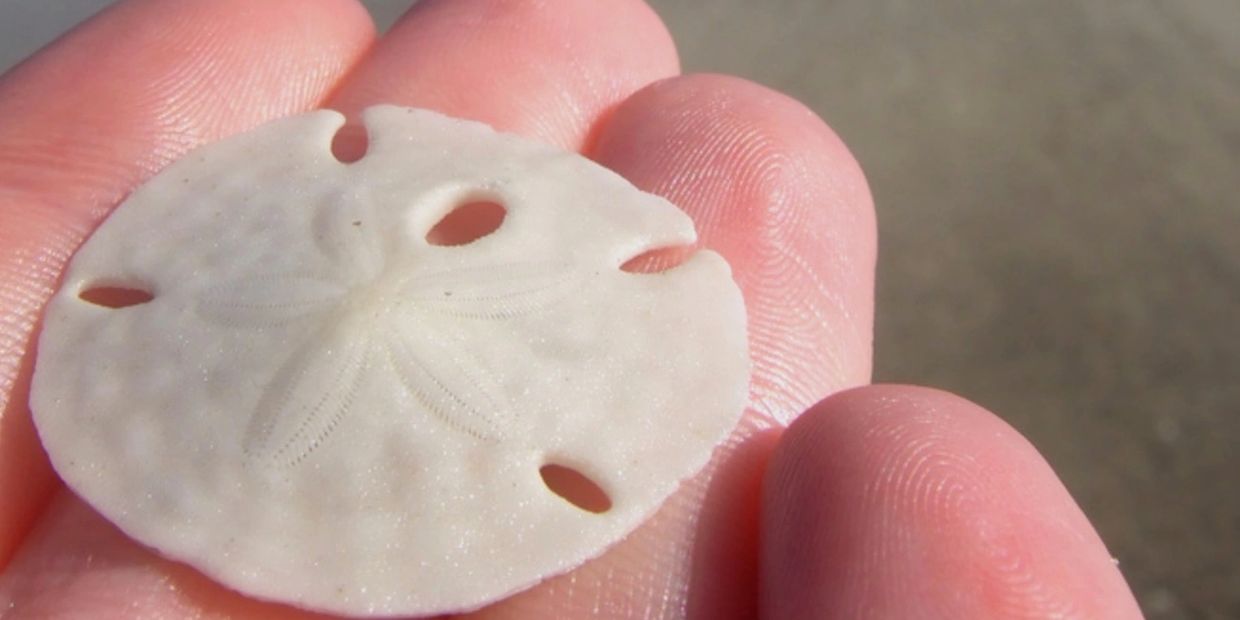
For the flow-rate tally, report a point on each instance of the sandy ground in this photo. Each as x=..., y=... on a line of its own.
x=1057, y=189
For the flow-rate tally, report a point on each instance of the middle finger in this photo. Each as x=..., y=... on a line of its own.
x=546, y=70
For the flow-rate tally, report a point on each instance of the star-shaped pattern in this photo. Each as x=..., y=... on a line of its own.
x=371, y=316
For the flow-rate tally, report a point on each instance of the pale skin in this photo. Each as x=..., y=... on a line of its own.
x=875, y=502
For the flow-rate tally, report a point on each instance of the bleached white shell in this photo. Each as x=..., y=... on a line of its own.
x=319, y=406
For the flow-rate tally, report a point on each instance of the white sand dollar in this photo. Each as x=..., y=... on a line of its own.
x=323, y=404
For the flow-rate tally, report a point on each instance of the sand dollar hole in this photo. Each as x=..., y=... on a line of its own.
x=350, y=143
x=467, y=223
x=657, y=260
x=575, y=487
x=115, y=297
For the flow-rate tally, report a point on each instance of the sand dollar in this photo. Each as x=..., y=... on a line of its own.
x=413, y=383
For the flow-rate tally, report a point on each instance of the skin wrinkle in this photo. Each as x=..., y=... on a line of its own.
x=177, y=122
x=768, y=171
x=27, y=274
x=774, y=170
x=920, y=473
x=686, y=177
x=568, y=110
x=944, y=489
x=111, y=174
x=1021, y=591
x=940, y=505
x=775, y=402
x=24, y=292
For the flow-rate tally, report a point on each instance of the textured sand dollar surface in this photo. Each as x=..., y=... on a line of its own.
x=325, y=399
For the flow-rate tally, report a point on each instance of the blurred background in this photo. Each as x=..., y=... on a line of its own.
x=1058, y=194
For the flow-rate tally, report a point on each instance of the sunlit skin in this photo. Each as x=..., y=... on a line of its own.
x=876, y=501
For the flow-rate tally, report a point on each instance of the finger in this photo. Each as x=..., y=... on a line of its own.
x=103, y=108
x=903, y=502
x=773, y=190
x=76, y=564
x=545, y=69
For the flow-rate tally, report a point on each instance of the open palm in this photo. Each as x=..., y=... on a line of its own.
x=880, y=501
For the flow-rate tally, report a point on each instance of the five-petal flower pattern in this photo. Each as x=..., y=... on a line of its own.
x=371, y=317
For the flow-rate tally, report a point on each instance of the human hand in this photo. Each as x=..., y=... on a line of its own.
x=882, y=501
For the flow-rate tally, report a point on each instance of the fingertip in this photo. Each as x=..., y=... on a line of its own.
x=547, y=69
x=775, y=191
x=897, y=501
x=711, y=103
